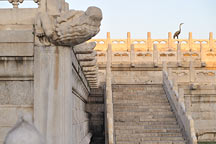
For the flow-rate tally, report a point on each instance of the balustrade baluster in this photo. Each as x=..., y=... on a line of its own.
x=179, y=60
x=15, y=3
x=192, y=72
x=38, y=2
x=132, y=55
x=211, y=41
x=149, y=41
x=155, y=56
x=170, y=41
x=190, y=40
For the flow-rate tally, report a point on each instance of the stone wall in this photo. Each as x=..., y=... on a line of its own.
x=80, y=93
x=16, y=75
x=195, y=88
x=46, y=81
x=201, y=103
x=96, y=109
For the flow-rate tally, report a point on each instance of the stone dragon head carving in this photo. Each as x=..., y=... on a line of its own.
x=69, y=28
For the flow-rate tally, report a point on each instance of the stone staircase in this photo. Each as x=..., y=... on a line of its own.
x=142, y=115
x=95, y=107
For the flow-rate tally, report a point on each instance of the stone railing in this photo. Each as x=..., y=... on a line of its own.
x=162, y=44
x=193, y=75
x=16, y=3
x=157, y=50
x=53, y=7
x=109, y=102
x=176, y=98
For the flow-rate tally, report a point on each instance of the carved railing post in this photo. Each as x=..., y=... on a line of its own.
x=202, y=55
x=181, y=95
x=179, y=60
x=192, y=72
x=128, y=41
x=38, y=2
x=170, y=41
x=190, y=40
x=15, y=3
x=211, y=41
x=165, y=66
x=132, y=55
x=169, y=73
x=149, y=41
x=108, y=40
x=155, y=55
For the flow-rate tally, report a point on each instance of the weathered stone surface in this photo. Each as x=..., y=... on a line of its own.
x=84, y=48
x=11, y=36
x=17, y=16
x=16, y=49
x=91, y=76
x=8, y=116
x=88, y=63
x=20, y=68
x=141, y=113
x=96, y=109
x=80, y=119
x=90, y=73
x=90, y=69
x=71, y=28
x=16, y=92
x=86, y=57
x=136, y=77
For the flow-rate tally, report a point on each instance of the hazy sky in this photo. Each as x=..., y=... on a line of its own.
x=156, y=16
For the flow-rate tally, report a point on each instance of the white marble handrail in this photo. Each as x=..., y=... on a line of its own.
x=16, y=3
x=109, y=102
x=176, y=99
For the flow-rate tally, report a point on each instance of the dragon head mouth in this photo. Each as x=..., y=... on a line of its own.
x=79, y=26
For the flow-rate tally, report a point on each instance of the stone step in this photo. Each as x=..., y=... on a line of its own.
x=97, y=140
x=140, y=99
x=137, y=87
x=155, y=130
x=143, y=119
x=147, y=102
x=138, y=127
x=152, y=142
x=141, y=105
x=95, y=100
x=150, y=138
x=134, y=95
x=152, y=93
x=144, y=126
x=148, y=133
x=95, y=107
x=129, y=91
x=97, y=91
x=141, y=116
x=144, y=123
x=142, y=113
x=138, y=109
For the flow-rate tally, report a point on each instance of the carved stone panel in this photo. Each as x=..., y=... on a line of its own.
x=16, y=92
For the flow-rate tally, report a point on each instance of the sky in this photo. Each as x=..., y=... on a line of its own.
x=156, y=16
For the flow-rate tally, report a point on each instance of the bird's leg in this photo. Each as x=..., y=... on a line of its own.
x=177, y=38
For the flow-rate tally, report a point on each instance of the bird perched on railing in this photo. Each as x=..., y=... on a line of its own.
x=178, y=32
